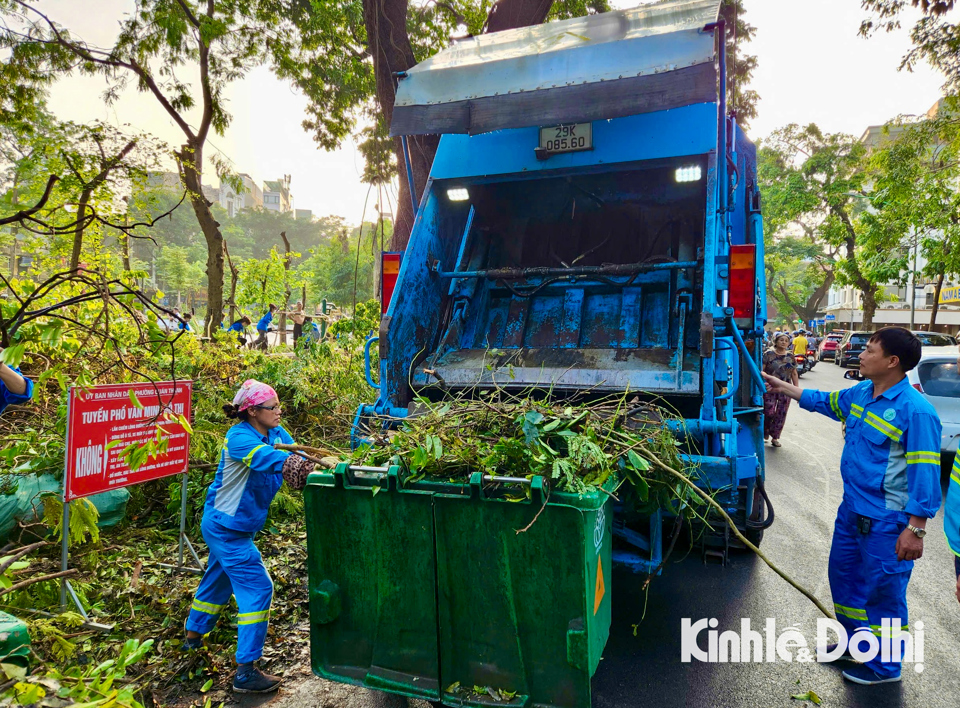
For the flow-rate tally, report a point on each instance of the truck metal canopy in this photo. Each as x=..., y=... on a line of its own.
x=650, y=58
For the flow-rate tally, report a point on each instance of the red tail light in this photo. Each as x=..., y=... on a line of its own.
x=742, y=296
x=847, y=346
x=918, y=387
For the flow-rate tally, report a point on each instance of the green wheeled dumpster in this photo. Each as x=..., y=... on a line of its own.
x=495, y=592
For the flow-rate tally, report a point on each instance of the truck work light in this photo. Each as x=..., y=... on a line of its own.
x=458, y=194
x=690, y=173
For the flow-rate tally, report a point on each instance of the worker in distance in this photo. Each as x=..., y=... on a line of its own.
x=14, y=387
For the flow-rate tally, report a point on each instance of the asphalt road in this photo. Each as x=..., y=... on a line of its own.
x=642, y=662
x=803, y=482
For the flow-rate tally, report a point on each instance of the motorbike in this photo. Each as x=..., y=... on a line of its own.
x=803, y=365
x=811, y=358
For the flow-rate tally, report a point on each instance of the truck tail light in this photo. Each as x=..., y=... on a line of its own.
x=918, y=387
x=743, y=284
x=390, y=270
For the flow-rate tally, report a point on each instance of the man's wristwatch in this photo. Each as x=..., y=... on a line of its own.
x=918, y=531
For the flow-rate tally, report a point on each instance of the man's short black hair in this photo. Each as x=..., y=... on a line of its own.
x=901, y=343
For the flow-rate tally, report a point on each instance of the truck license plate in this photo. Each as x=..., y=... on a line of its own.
x=567, y=138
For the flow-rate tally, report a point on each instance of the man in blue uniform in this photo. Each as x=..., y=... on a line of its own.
x=891, y=486
x=240, y=327
x=14, y=387
x=951, y=517
x=263, y=326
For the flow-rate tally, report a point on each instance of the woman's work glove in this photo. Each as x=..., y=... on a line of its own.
x=295, y=471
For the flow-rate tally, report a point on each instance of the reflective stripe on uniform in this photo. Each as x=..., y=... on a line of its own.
x=850, y=612
x=248, y=460
x=920, y=457
x=855, y=410
x=206, y=607
x=891, y=431
x=253, y=617
x=893, y=631
x=835, y=405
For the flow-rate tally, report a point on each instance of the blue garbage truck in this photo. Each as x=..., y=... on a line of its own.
x=591, y=226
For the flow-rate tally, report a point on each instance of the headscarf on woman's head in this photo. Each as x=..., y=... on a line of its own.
x=253, y=393
x=777, y=338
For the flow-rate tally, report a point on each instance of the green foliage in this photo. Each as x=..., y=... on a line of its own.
x=935, y=37
x=812, y=185
x=330, y=61
x=100, y=685
x=741, y=66
x=576, y=446
x=83, y=519
x=366, y=320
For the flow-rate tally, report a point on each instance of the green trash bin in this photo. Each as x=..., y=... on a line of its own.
x=14, y=640
x=372, y=575
x=523, y=613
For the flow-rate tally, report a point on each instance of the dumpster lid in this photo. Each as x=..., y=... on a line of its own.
x=609, y=65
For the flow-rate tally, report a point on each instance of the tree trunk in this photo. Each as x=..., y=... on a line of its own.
x=191, y=160
x=389, y=45
x=80, y=228
x=234, y=278
x=286, y=289
x=936, y=301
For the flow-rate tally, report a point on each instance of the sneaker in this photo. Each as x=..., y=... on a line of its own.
x=253, y=680
x=192, y=644
x=868, y=677
x=830, y=648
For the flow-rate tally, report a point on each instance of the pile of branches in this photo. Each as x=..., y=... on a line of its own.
x=577, y=446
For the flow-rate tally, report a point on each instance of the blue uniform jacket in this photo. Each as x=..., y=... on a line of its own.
x=891, y=460
x=248, y=477
x=236, y=327
x=264, y=322
x=8, y=397
x=951, y=508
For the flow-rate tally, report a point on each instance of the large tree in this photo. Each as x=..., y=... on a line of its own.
x=182, y=53
x=347, y=53
x=813, y=188
x=915, y=203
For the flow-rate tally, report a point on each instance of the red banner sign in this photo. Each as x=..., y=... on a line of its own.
x=102, y=421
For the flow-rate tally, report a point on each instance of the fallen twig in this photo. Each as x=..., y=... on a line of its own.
x=730, y=522
x=26, y=583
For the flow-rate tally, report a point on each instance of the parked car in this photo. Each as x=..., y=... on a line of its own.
x=936, y=339
x=828, y=347
x=850, y=347
x=938, y=379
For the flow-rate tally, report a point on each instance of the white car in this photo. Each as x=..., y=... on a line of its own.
x=937, y=377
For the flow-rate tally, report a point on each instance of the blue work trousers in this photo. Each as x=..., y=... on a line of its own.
x=236, y=568
x=867, y=581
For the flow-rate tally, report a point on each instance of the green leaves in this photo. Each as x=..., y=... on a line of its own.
x=12, y=356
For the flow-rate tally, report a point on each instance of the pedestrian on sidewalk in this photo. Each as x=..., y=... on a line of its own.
x=891, y=485
x=263, y=326
x=250, y=473
x=780, y=363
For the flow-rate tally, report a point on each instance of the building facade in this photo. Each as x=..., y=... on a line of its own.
x=277, y=195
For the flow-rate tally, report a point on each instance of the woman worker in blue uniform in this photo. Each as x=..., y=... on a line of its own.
x=891, y=485
x=250, y=473
x=14, y=387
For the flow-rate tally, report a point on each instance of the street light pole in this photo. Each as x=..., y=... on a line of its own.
x=913, y=289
